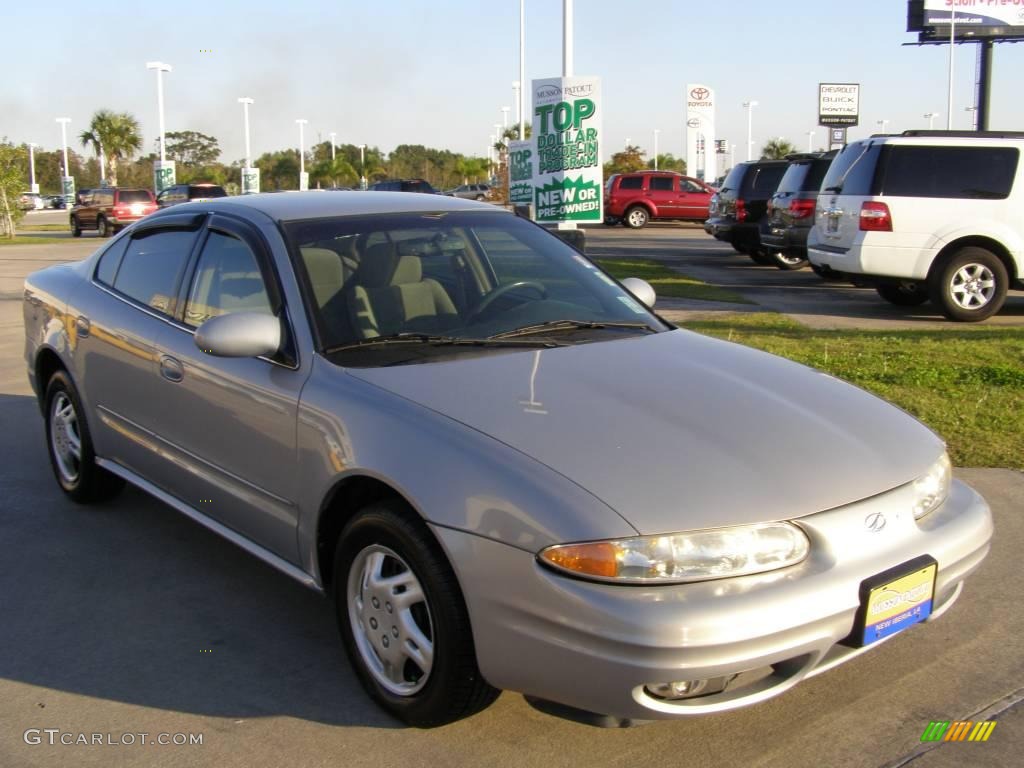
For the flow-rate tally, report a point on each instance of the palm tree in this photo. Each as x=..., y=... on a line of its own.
x=777, y=149
x=335, y=171
x=116, y=136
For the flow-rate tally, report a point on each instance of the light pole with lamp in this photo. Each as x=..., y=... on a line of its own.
x=67, y=181
x=163, y=170
x=504, y=117
x=32, y=186
x=332, y=134
x=883, y=123
x=810, y=141
x=749, y=106
x=930, y=117
x=303, y=176
x=250, y=175
x=656, y=132
x=362, y=166
x=519, y=107
x=522, y=70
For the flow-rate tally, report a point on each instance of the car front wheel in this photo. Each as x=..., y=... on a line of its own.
x=969, y=286
x=403, y=620
x=76, y=228
x=785, y=261
x=70, y=445
x=103, y=228
x=636, y=217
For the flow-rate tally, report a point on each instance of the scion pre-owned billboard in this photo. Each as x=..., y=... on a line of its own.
x=974, y=18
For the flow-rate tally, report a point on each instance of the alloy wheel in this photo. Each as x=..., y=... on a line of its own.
x=65, y=438
x=972, y=286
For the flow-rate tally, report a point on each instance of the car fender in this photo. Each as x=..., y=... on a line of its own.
x=450, y=474
x=1008, y=236
x=48, y=326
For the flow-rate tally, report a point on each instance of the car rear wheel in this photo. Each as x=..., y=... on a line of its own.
x=737, y=248
x=785, y=261
x=904, y=294
x=102, y=227
x=611, y=221
x=70, y=445
x=403, y=619
x=76, y=228
x=480, y=198
x=636, y=217
x=969, y=286
x=761, y=256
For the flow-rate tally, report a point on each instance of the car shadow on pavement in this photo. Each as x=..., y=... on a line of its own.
x=130, y=601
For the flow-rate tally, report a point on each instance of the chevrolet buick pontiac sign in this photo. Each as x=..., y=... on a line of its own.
x=838, y=103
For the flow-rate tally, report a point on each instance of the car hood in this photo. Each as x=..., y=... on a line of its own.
x=678, y=431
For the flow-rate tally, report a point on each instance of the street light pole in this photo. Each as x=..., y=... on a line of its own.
x=303, y=183
x=749, y=105
x=504, y=117
x=883, y=123
x=32, y=186
x=949, y=102
x=810, y=141
x=245, y=101
x=567, y=34
x=930, y=117
x=64, y=141
x=362, y=166
x=332, y=134
x=160, y=68
x=522, y=70
x=656, y=132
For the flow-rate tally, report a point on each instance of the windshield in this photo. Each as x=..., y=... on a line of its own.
x=453, y=276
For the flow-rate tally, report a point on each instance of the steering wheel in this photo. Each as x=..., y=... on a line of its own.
x=497, y=293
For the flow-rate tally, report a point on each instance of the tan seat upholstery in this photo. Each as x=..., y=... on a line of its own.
x=389, y=295
x=327, y=276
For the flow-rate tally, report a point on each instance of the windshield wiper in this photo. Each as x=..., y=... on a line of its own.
x=568, y=325
x=438, y=341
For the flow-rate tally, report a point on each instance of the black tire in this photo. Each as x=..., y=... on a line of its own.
x=102, y=227
x=737, y=248
x=611, y=221
x=908, y=294
x=452, y=688
x=787, y=262
x=479, y=198
x=636, y=217
x=952, y=287
x=76, y=228
x=761, y=256
x=80, y=478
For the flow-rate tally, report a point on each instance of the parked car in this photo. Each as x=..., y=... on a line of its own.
x=110, y=209
x=55, y=201
x=741, y=203
x=30, y=201
x=633, y=199
x=291, y=371
x=471, y=191
x=927, y=215
x=404, y=185
x=791, y=209
x=189, y=193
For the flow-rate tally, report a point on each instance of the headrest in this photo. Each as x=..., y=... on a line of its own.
x=323, y=265
x=383, y=267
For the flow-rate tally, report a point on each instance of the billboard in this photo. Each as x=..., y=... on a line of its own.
x=568, y=180
x=521, y=157
x=838, y=103
x=974, y=18
x=700, y=131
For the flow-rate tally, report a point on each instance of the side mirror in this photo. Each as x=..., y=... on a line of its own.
x=641, y=289
x=240, y=334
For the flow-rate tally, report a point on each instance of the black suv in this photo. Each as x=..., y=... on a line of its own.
x=791, y=209
x=741, y=203
x=404, y=185
x=189, y=193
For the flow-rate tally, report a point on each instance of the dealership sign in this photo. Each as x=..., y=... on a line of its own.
x=700, y=131
x=521, y=157
x=567, y=178
x=838, y=103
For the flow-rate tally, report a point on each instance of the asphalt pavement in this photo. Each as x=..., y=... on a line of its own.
x=126, y=618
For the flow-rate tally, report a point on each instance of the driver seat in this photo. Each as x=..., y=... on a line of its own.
x=390, y=295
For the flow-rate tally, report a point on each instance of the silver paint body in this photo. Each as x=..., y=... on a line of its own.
x=505, y=454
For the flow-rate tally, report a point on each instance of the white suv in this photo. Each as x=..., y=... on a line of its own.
x=925, y=215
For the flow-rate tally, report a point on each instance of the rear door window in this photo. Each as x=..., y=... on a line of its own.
x=661, y=183
x=980, y=173
x=632, y=182
x=152, y=266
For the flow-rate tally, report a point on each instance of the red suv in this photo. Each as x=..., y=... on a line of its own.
x=635, y=198
x=109, y=209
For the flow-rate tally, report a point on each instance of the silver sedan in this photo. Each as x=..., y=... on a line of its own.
x=504, y=467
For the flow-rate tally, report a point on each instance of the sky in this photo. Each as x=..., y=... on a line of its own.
x=390, y=72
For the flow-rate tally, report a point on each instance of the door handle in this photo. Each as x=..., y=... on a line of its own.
x=82, y=326
x=171, y=368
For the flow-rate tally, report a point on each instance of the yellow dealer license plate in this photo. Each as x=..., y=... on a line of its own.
x=895, y=600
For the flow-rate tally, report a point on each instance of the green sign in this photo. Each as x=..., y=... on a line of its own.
x=67, y=188
x=163, y=175
x=567, y=174
x=521, y=157
x=250, y=181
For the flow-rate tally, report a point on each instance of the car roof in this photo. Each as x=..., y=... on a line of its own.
x=315, y=204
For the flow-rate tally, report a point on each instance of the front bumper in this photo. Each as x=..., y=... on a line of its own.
x=595, y=647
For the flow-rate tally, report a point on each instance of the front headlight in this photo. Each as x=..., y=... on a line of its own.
x=931, y=488
x=681, y=557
